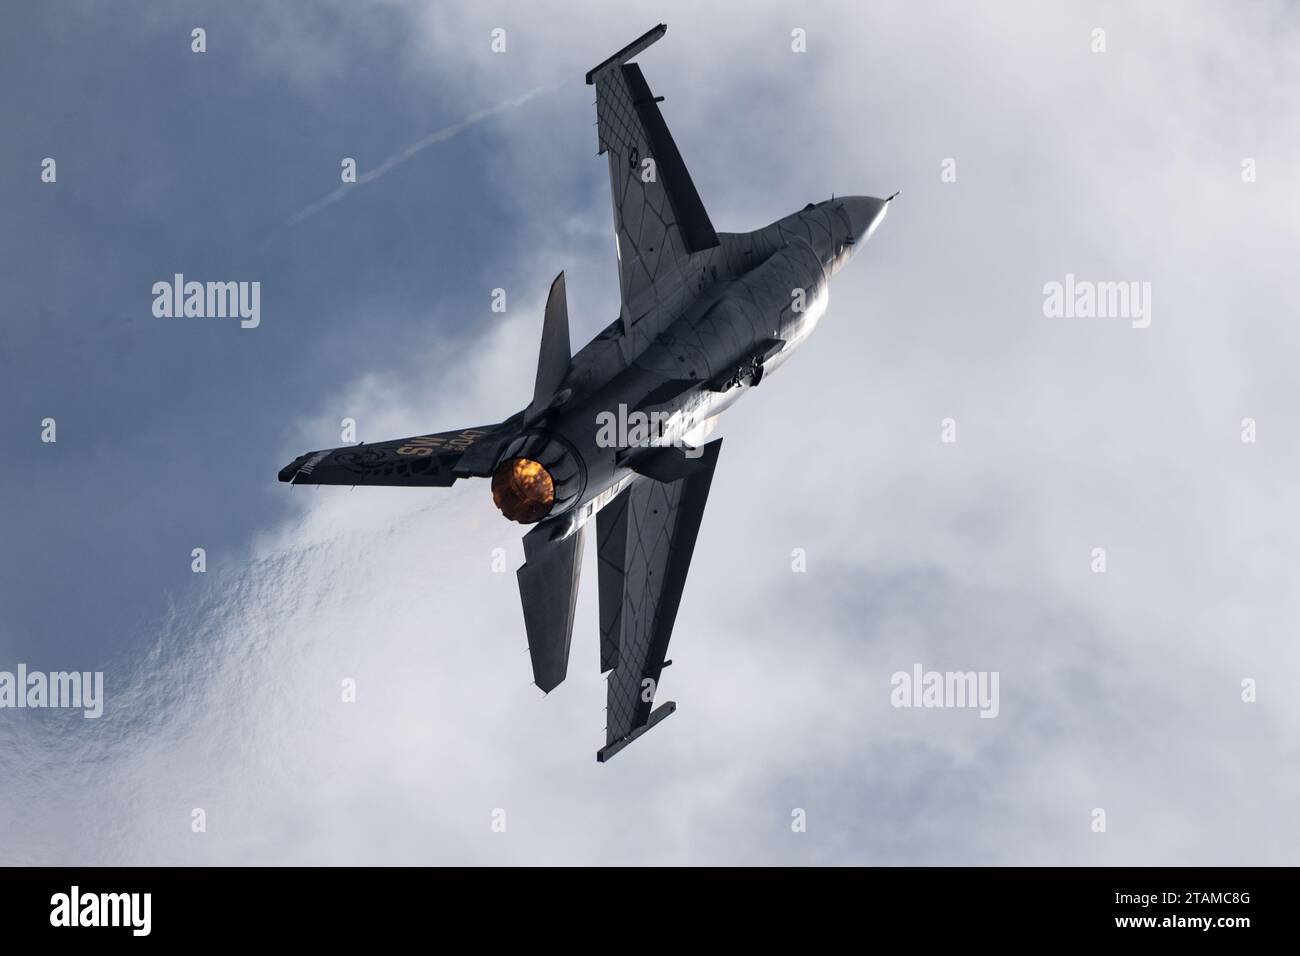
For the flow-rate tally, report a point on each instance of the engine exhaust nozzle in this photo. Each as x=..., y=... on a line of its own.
x=523, y=489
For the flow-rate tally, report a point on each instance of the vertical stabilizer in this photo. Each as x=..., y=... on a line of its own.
x=554, y=356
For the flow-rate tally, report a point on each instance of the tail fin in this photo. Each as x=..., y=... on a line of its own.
x=554, y=356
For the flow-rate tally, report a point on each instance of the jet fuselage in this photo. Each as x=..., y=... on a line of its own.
x=759, y=296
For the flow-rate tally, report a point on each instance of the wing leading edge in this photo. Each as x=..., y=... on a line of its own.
x=645, y=538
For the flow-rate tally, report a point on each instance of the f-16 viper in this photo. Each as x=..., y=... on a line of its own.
x=617, y=431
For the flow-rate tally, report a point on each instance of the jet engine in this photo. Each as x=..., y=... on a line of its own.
x=539, y=475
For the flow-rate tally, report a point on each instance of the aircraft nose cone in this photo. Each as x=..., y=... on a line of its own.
x=865, y=214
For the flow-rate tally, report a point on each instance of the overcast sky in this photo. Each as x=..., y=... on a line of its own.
x=1119, y=691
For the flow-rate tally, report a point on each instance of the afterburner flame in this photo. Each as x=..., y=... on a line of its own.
x=523, y=490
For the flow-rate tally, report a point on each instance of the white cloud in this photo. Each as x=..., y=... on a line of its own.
x=1119, y=690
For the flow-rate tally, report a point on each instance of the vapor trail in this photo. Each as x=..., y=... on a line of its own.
x=397, y=159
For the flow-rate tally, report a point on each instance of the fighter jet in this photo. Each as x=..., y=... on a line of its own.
x=617, y=431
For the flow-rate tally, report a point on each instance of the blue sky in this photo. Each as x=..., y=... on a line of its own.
x=174, y=162
x=1119, y=690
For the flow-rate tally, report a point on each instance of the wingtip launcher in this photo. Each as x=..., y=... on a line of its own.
x=665, y=709
x=629, y=51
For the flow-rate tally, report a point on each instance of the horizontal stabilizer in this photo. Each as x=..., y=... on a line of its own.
x=421, y=461
x=548, y=588
x=480, y=460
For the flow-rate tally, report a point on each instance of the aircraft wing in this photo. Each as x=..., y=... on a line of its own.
x=645, y=538
x=659, y=220
x=421, y=461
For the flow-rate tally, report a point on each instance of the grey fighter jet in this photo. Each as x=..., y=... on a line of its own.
x=616, y=432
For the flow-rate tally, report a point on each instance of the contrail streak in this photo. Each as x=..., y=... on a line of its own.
x=398, y=158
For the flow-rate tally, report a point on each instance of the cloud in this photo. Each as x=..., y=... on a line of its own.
x=1119, y=691
x=446, y=133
